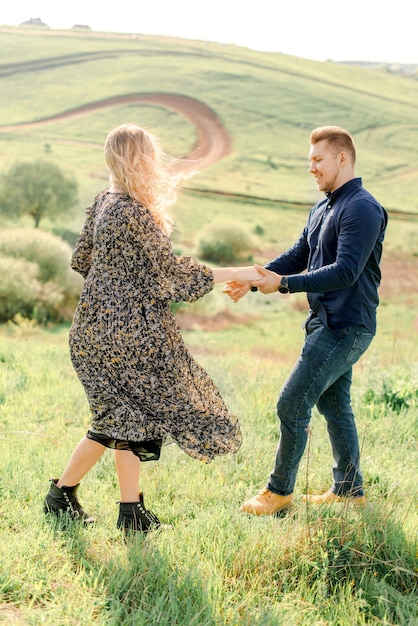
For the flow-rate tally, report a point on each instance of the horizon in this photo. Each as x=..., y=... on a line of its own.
x=372, y=33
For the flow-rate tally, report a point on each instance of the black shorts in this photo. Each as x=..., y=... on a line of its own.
x=145, y=450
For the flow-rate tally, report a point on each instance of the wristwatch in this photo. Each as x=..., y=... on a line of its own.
x=284, y=287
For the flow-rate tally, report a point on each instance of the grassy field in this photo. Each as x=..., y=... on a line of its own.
x=328, y=567
x=217, y=566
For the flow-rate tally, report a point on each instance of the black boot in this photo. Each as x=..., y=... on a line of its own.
x=134, y=517
x=63, y=501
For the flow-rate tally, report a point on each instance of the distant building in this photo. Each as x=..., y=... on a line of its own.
x=35, y=21
x=81, y=27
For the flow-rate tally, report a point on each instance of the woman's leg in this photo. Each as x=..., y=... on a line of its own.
x=85, y=455
x=62, y=495
x=127, y=467
x=133, y=516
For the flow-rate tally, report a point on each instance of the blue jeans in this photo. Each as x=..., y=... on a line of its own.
x=322, y=377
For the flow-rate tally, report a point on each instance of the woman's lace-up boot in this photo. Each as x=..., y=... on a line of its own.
x=63, y=501
x=134, y=517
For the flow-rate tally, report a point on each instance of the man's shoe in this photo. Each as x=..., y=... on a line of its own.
x=330, y=497
x=267, y=503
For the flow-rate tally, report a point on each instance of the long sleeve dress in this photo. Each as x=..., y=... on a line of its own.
x=143, y=386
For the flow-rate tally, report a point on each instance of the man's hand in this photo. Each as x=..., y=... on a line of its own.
x=269, y=282
x=236, y=290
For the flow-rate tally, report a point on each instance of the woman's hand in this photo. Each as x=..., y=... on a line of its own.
x=267, y=282
x=236, y=290
x=236, y=274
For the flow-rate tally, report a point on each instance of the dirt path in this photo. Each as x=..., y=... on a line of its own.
x=213, y=142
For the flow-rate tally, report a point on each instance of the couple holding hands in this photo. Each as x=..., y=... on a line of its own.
x=144, y=387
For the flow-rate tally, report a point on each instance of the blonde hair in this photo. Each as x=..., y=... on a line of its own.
x=137, y=167
x=337, y=137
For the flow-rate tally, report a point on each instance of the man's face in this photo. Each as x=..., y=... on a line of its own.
x=325, y=166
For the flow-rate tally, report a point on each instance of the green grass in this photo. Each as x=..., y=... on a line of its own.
x=333, y=567
x=217, y=566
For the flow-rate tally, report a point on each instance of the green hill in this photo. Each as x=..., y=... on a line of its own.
x=267, y=102
x=86, y=83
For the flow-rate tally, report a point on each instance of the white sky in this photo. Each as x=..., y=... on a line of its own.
x=354, y=30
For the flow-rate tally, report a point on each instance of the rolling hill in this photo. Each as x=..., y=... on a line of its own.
x=263, y=106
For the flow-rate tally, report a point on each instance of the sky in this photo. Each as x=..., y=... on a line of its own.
x=355, y=30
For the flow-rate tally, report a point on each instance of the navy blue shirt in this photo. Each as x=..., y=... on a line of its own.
x=339, y=253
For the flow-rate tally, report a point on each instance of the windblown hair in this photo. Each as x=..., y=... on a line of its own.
x=139, y=168
x=337, y=137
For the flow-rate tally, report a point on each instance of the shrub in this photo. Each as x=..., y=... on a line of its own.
x=50, y=253
x=68, y=235
x=40, y=283
x=224, y=243
x=19, y=287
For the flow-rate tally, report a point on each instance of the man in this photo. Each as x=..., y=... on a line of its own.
x=339, y=253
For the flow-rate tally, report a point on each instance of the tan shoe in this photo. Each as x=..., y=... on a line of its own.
x=267, y=503
x=329, y=497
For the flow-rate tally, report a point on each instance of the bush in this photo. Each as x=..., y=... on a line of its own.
x=19, y=287
x=68, y=235
x=39, y=282
x=50, y=253
x=225, y=243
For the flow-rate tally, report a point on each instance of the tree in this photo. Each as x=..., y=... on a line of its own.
x=38, y=189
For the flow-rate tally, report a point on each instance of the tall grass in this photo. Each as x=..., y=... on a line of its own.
x=217, y=566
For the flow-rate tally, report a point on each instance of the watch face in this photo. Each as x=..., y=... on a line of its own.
x=283, y=287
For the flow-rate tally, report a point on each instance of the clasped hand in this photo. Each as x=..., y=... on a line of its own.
x=267, y=283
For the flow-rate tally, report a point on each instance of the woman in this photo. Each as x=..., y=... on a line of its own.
x=142, y=384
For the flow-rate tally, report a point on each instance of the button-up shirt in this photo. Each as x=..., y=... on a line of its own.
x=337, y=257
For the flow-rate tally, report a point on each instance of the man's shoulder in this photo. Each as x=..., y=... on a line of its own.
x=357, y=196
x=361, y=206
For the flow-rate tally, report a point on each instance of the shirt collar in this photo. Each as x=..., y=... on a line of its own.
x=333, y=195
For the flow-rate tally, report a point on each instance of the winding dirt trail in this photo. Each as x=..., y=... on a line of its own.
x=213, y=142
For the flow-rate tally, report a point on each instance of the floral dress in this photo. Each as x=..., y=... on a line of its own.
x=143, y=386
